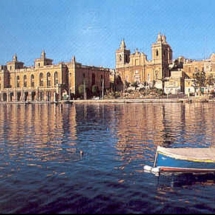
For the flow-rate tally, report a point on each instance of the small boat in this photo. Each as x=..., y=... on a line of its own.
x=183, y=160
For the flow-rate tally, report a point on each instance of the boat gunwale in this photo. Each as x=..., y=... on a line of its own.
x=184, y=169
x=177, y=153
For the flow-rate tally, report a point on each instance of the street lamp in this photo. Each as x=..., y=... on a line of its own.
x=103, y=88
x=84, y=90
x=69, y=86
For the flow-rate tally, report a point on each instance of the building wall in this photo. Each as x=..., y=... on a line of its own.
x=47, y=81
x=190, y=67
x=135, y=67
x=88, y=76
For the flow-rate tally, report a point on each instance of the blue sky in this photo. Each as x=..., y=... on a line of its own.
x=91, y=30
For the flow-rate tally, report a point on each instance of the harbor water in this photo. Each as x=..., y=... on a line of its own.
x=89, y=158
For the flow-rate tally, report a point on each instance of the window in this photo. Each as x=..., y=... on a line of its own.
x=48, y=79
x=101, y=80
x=55, y=78
x=32, y=80
x=93, y=79
x=41, y=79
x=156, y=52
x=120, y=57
x=25, y=81
x=17, y=81
x=136, y=62
x=156, y=75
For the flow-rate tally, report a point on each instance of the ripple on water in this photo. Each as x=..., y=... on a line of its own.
x=43, y=171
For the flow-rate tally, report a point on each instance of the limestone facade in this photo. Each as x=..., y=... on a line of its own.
x=135, y=67
x=161, y=71
x=46, y=81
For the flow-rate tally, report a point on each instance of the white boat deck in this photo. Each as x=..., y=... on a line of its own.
x=191, y=154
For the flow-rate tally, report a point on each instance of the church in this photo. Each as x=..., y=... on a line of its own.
x=135, y=67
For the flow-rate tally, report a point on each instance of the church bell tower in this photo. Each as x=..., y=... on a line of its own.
x=162, y=55
x=122, y=55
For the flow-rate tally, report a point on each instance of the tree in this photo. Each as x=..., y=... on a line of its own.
x=135, y=84
x=95, y=90
x=210, y=80
x=81, y=90
x=199, y=80
x=118, y=83
x=127, y=84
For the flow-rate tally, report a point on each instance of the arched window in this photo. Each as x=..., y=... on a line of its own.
x=55, y=78
x=25, y=80
x=84, y=81
x=156, y=75
x=156, y=52
x=48, y=79
x=32, y=80
x=41, y=80
x=120, y=57
x=93, y=79
x=102, y=80
x=17, y=81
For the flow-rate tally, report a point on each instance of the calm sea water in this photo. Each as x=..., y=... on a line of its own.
x=89, y=158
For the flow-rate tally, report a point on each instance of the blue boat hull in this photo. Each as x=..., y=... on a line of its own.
x=167, y=161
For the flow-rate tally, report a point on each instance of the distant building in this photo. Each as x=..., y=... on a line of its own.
x=136, y=67
x=173, y=76
x=89, y=76
x=192, y=66
x=46, y=81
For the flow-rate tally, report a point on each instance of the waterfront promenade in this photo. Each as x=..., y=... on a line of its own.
x=151, y=100
x=121, y=100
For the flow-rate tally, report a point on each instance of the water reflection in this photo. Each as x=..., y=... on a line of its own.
x=136, y=128
x=185, y=180
x=90, y=157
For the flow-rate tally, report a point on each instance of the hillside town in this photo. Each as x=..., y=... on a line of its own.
x=134, y=76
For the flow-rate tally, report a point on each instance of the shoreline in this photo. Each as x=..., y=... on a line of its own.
x=142, y=100
x=163, y=100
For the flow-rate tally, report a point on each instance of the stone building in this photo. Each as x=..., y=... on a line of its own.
x=173, y=76
x=191, y=66
x=135, y=67
x=49, y=82
x=88, y=76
